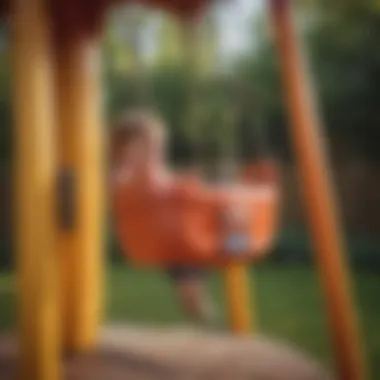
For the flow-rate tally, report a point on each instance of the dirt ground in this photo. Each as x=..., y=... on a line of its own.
x=148, y=354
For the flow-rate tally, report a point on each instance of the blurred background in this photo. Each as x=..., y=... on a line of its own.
x=227, y=85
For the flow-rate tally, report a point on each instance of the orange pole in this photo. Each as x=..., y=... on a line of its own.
x=316, y=182
x=238, y=299
x=81, y=152
x=37, y=261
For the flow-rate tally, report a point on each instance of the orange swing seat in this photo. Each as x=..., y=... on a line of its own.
x=187, y=224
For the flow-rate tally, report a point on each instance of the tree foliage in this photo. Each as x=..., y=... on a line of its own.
x=341, y=36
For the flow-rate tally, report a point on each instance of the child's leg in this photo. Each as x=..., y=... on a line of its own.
x=192, y=294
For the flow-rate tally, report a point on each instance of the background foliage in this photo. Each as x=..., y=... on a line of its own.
x=242, y=97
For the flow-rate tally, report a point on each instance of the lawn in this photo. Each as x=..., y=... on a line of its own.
x=286, y=301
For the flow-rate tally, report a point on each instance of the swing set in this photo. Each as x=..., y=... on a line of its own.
x=57, y=97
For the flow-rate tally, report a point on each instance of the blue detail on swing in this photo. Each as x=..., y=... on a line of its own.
x=237, y=244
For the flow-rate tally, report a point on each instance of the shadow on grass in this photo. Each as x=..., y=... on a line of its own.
x=7, y=307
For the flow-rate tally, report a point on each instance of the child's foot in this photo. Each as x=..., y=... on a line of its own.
x=212, y=321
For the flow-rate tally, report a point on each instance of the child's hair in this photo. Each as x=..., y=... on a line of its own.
x=134, y=124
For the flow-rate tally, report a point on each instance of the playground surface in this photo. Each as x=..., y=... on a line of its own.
x=147, y=354
x=286, y=299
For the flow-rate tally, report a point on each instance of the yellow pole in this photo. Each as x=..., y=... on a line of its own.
x=238, y=303
x=320, y=203
x=35, y=175
x=237, y=277
x=81, y=152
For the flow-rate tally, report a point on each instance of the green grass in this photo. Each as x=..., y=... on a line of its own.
x=287, y=305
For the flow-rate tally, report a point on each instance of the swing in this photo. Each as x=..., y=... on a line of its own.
x=44, y=313
x=190, y=223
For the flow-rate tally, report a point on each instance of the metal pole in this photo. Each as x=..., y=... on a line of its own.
x=320, y=203
x=192, y=114
x=237, y=292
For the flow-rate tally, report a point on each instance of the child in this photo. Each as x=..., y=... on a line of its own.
x=138, y=156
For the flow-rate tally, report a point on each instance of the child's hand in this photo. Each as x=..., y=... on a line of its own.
x=236, y=216
x=265, y=172
x=237, y=238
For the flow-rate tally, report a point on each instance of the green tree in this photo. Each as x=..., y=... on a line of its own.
x=345, y=66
